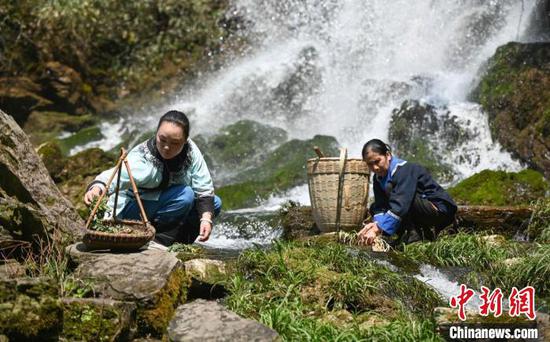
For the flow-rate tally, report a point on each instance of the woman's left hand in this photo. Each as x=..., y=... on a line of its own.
x=369, y=233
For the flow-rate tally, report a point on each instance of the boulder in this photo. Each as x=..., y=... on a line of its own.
x=283, y=168
x=239, y=146
x=19, y=96
x=46, y=125
x=97, y=319
x=64, y=85
x=153, y=279
x=32, y=206
x=30, y=309
x=421, y=133
x=209, y=321
x=515, y=92
x=500, y=188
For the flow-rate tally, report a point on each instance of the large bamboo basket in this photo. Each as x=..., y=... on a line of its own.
x=143, y=233
x=323, y=180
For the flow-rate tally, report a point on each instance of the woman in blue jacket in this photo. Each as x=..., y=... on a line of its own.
x=173, y=181
x=407, y=200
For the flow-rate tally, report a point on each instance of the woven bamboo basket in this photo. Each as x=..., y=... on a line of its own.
x=142, y=234
x=325, y=187
x=142, y=231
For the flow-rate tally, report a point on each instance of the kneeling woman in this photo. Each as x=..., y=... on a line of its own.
x=407, y=201
x=173, y=182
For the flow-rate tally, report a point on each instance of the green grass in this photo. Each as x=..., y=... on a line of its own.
x=318, y=292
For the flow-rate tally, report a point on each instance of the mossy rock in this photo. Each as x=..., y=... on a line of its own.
x=82, y=137
x=240, y=145
x=283, y=169
x=414, y=129
x=500, y=188
x=515, y=92
x=43, y=126
x=30, y=309
x=53, y=159
x=97, y=319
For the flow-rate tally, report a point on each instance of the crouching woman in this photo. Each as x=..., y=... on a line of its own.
x=173, y=181
x=407, y=201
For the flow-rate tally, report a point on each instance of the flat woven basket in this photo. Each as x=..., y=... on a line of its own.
x=323, y=180
x=94, y=239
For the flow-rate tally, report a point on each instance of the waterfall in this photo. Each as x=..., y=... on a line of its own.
x=339, y=68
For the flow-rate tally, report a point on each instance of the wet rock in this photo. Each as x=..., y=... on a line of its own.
x=239, y=146
x=500, y=188
x=80, y=138
x=207, y=320
x=283, y=168
x=154, y=279
x=19, y=96
x=30, y=309
x=33, y=207
x=42, y=126
x=421, y=133
x=207, y=276
x=297, y=221
x=97, y=319
x=514, y=90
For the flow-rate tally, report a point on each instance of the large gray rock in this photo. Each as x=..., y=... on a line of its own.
x=154, y=279
x=31, y=206
x=203, y=320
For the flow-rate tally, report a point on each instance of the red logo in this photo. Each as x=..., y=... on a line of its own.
x=492, y=302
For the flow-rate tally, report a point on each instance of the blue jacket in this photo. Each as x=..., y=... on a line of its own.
x=394, y=194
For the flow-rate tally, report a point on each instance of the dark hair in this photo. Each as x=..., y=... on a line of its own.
x=177, y=117
x=375, y=145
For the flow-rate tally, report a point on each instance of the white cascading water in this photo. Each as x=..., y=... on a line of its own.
x=340, y=67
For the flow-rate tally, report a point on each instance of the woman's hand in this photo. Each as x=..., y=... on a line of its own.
x=205, y=227
x=369, y=232
x=95, y=191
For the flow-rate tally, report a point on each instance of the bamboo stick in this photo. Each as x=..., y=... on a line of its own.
x=117, y=168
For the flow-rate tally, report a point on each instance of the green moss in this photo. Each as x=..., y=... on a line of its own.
x=155, y=320
x=92, y=321
x=80, y=138
x=43, y=126
x=30, y=309
x=283, y=169
x=500, y=188
x=51, y=155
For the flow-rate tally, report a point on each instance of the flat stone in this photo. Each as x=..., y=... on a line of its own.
x=154, y=279
x=203, y=320
x=98, y=319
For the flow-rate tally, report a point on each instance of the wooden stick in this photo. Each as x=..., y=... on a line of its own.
x=122, y=152
x=134, y=187
x=318, y=152
x=117, y=168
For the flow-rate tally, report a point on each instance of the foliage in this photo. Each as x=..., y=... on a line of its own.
x=108, y=41
x=319, y=292
x=539, y=224
x=490, y=187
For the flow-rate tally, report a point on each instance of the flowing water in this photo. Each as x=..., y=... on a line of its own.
x=339, y=68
